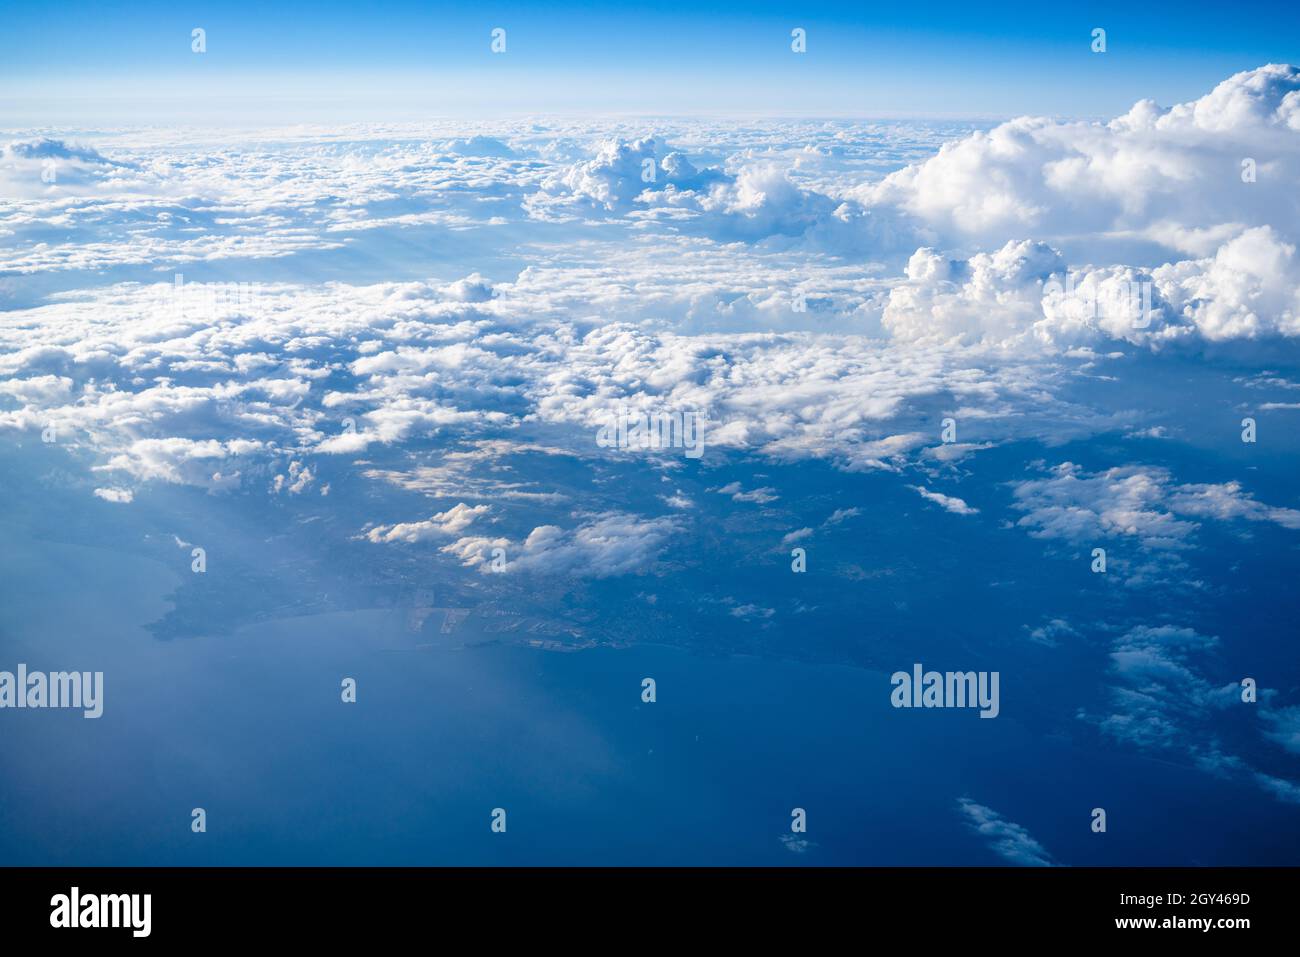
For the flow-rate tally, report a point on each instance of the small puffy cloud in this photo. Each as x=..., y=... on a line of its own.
x=39, y=391
x=796, y=845
x=122, y=496
x=450, y=523
x=836, y=517
x=994, y=296
x=478, y=145
x=798, y=535
x=622, y=171
x=473, y=288
x=759, y=496
x=618, y=173
x=606, y=546
x=296, y=480
x=1227, y=501
x=947, y=502
x=764, y=201
x=1082, y=507
x=206, y=463
x=888, y=453
x=47, y=148
x=1147, y=655
x=346, y=443
x=1008, y=840
x=1141, y=502
x=1051, y=632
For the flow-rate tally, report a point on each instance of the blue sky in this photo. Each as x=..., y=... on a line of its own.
x=398, y=60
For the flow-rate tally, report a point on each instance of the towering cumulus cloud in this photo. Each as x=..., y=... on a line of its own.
x=1198, y=200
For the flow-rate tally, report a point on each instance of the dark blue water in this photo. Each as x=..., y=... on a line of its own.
x=251, y=728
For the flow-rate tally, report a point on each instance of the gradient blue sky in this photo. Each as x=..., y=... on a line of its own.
x=404, y=60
